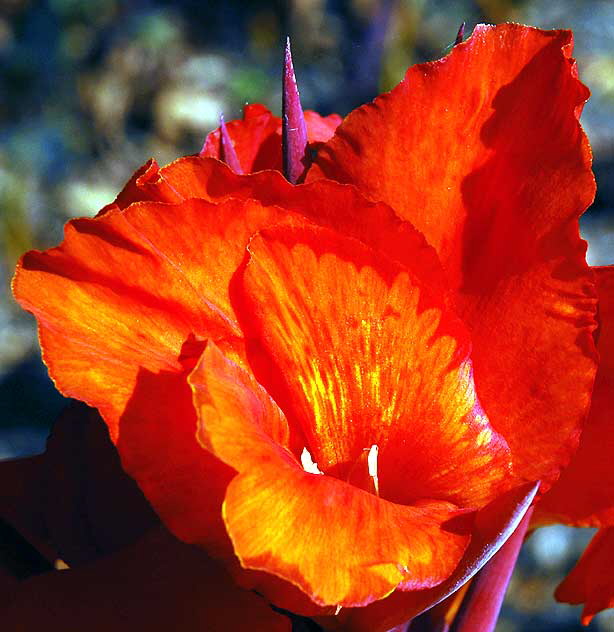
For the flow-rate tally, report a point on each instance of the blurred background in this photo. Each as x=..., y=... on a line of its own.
x=90, y=90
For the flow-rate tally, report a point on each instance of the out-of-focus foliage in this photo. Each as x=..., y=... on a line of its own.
x=90, y=90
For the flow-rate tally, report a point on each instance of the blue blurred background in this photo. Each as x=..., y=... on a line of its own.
x=90, y=90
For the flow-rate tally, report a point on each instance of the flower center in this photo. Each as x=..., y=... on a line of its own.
x=309, y=465
x=372, y=465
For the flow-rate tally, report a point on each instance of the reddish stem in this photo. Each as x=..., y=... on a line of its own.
x=482, y=603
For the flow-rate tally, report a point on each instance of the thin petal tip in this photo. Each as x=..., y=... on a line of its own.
x=228, y=153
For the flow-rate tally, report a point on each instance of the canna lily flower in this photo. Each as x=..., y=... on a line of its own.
x=345, y=390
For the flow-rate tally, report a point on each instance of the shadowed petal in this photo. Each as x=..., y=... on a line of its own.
x=159, y=584
x=20, y=501
x=483, y=153
x=89, y=506
x=584, y=494
x=74, y=502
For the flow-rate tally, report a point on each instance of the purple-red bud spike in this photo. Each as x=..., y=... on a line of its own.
x=294, y=130
x=460, y=34
x=482, y=603
x=227, y=150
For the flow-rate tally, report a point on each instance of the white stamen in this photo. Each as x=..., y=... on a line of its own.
x=337, y=610
x=308, y=464
x=372, y=464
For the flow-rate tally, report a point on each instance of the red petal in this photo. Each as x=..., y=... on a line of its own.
x=584, y=494
x=257, y=137
x=159, y=584
x=339, y=544
x=360, y=354
x=483, y=153
x=157, y=443
x=320, y=128
x=590, y=581
x=126, y=290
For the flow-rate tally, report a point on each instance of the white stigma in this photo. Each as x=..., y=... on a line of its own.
x=308, y=464
x=372, y=464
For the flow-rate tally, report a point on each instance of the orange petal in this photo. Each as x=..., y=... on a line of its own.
x=327, y=203
x=483, y=153
x=147, y=184
x=119, y=306
x=158, y=584
x=257, y=137
x=584, y=494
x=493, y=526
x=337, y=543
x=225, y=394
x=359, y=353
x=125, y=291
x=590, y=582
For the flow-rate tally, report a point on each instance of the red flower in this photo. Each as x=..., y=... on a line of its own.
x=340, y=397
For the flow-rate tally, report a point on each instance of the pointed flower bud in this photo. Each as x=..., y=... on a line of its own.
x=294, y=130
